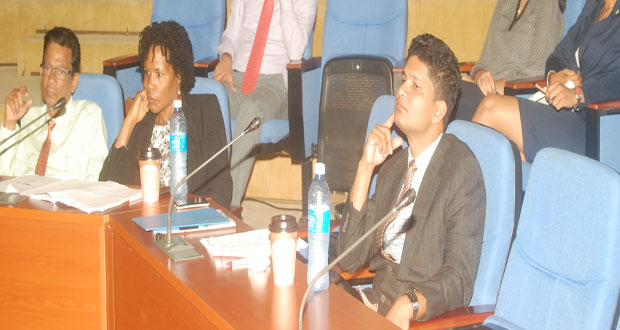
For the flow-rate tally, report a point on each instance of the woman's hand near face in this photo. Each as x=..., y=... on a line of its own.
x=138, y=107
x=135, y=110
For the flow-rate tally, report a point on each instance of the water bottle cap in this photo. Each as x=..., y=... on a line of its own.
x=319, y=169
x=177, y=104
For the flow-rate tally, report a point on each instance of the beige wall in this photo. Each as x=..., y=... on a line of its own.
x=21, y=18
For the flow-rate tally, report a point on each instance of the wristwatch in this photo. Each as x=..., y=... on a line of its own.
x=579, y=95
x=413, y=299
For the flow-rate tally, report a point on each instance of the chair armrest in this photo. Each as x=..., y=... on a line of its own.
x=296, y=146
x=607, y=105
x=111, y=66
x=465, y=67
x=304, y=65
x=455, y=318
x=203, y=66
x=524, y=86
x=360, y=274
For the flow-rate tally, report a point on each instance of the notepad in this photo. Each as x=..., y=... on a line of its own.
x=192, y=220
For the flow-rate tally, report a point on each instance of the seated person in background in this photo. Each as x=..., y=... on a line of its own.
x=589, y=56
x=72, y=145
x=167, y=63
x=522, y=34
x=253, y=69
x=430, y=251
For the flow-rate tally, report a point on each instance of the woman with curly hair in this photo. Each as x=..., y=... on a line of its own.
x=167, y=64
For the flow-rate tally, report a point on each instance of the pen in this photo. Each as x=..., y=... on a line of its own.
x=541, y=89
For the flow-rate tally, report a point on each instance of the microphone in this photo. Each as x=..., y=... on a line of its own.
x=60, y=104
x=179, y=249
x=407, y=199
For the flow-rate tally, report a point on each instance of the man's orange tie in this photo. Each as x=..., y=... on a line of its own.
x=258, y=49
x=45, y=150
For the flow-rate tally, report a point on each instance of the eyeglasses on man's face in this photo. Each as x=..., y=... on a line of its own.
x=61, y=74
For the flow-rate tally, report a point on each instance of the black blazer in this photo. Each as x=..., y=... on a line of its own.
x=205, y=136
x=599, y=52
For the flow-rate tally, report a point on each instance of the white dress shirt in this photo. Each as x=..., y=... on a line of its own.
x=78, y=143
x=291, y=25
x=394, y=236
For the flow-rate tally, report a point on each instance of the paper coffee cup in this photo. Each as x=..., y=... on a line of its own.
x=283, y=235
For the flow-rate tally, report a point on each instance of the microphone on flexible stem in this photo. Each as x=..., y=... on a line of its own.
x=178, y=249
x=60, y=104
x=407, y=199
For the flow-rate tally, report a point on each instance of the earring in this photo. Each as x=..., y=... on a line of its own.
x=179, y=91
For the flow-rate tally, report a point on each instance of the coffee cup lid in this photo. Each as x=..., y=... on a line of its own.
x=149, y=154
x=283, y=223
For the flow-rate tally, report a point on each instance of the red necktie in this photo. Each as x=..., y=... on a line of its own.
x=381, y=232
x=45, y=150
x=258, y=49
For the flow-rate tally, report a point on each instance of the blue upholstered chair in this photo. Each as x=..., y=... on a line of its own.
x=500, y=165
x=353, y=28
x=210, y=86
x=501, y=169
x=106, y=92
x=204, y=22
x=563, y=270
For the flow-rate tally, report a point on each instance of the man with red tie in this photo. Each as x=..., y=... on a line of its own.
x=70, y=145
x=261, y=38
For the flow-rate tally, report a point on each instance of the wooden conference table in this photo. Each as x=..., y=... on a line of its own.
x=63, y=269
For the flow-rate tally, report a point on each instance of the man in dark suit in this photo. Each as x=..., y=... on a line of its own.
x=427, y=257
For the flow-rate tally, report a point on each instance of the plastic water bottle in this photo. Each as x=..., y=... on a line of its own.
x=318, y=227
x=178, y=150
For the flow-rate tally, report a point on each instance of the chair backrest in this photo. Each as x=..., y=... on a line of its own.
x=349, y=89
x=106, y=92
x=210, y=86
x=571, y=13
x=204, y=21
x=365, y=27
x=563, y=270
x=501, y=169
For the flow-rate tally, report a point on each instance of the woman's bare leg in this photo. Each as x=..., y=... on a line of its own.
x=502, y=114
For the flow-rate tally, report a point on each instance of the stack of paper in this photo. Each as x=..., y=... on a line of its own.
x=86, y=196
x=246, y=245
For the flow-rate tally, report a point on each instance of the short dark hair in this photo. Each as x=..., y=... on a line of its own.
x=175, y=47
x=443, y=68
x=66, y=38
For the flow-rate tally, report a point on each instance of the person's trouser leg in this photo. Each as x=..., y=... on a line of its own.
x=267, y=101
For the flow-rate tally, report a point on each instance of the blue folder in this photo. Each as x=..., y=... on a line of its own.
x=202, y=218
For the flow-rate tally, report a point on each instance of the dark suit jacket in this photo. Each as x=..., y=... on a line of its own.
x=442, y=245
x=599, y=52
x=205, y=136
